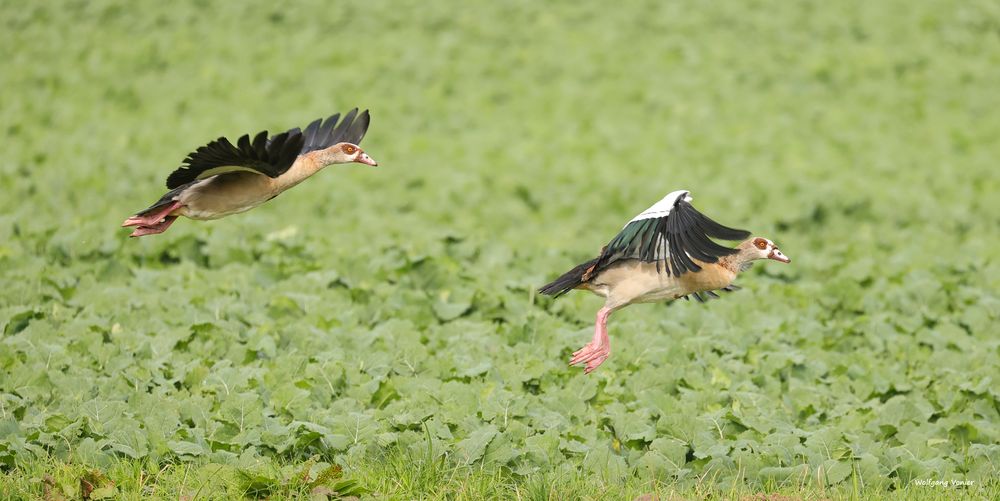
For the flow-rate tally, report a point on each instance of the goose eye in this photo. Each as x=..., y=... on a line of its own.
x=760, y=243
x=349, y=150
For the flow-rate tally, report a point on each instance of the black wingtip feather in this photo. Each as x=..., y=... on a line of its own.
x=358, y=129
x=568, y=281
x=321, y=134
x=712, y=228
x=339, y=132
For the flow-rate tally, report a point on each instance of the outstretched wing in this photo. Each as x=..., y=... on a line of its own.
x=671, y=232
x=321, y=134
x=269, y=157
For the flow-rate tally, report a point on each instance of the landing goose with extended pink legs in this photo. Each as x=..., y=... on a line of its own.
x=664, y=253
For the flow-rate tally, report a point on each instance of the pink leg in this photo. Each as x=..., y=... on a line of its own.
x=159, y=227
x=151, y=219
x=599, y=348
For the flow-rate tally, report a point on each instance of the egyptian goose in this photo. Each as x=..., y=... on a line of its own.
x=220, y=179
x=665, y=253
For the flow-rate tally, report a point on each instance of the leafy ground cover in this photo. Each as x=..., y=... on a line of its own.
x=383, y=321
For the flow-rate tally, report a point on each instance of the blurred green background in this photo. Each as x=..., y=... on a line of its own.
x=513, y=139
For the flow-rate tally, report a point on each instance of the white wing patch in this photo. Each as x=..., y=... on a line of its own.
x=663, y=207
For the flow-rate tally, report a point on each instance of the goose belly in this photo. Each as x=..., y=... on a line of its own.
x=664, y=293
x=633, y=281
x=222, y=196
x=202, y=214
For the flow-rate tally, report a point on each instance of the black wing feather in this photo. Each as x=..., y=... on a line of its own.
x=289, y=146
x=685, y=234
x=268, y=157
x=322, y=134
x=679, y=242
x=310, y=134
x=358, y=129
x=327, y=127
x=259, y=149
x=243, y=143
x=341, y=128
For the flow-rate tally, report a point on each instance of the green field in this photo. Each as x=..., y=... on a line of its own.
x=384, y=320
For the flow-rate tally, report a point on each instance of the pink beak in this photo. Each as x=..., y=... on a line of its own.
x=778, y=256
x=363, y=158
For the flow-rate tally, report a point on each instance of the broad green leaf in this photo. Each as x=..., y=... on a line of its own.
x=472, y=448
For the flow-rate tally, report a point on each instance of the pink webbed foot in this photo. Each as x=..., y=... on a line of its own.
x=151, y=219
x=599, y=349
x=153, y=229
x=593, y=355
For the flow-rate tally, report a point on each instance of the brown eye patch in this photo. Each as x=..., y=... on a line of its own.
x=760, y=243
x=349, y=149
